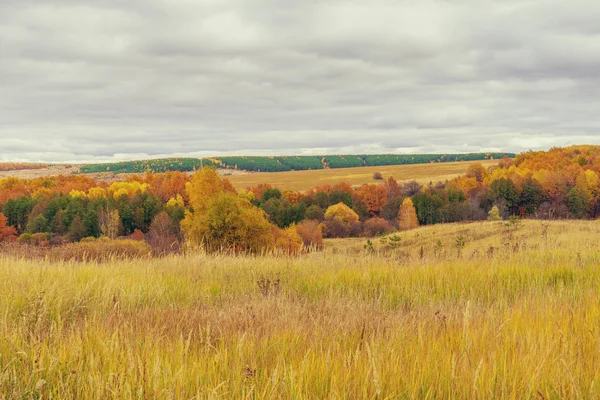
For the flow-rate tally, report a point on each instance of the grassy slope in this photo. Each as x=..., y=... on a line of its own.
x=304, y=180
x=519, y=322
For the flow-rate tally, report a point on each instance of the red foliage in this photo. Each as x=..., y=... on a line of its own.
x=259, y=189
x=311, y=233
x=376, y=226
x=7, y=233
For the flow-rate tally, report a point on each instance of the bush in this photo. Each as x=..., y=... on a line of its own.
x=377, y=176
x=35, y=239
x=376, y=226
x=337, y=229
x=311, y=233
x=288, y=240
x=137, y=235
x=494, y=214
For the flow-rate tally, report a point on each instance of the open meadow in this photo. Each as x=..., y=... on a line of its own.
x=305, y=180
x=483, y=310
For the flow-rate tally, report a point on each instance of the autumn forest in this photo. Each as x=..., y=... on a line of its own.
x=164, y=210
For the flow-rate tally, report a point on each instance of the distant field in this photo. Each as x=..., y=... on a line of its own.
x=14, y=166
x=282, y=163
x=511, y=313
x=304, y=180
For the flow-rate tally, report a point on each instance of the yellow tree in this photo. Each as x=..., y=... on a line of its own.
x=342, y=213
x=407, y=217
x=205, y=184
x=220, y=220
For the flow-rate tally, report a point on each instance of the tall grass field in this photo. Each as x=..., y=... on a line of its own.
x=465, y=311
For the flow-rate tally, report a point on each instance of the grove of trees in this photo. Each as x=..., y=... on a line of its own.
x=168, y=209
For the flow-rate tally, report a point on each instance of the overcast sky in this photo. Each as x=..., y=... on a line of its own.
x=84, y=80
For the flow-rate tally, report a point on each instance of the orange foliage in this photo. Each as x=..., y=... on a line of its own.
x=343, y=187
x=168, y=185
x=7, y=233
x=374, y=197
x=407, y=217
x=465, y=184
x=292, y=197
x=259, y=189
x=311, y=232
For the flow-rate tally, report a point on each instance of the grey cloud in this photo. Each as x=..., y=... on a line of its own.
x=122, y=79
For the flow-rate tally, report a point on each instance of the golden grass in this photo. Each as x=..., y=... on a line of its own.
x=520, y=321
x=305, y=180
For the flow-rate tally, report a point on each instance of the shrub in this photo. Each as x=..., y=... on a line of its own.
x=337, y=229
x=377, y=176
x=311, y=233
x=34, y=239
x=494, y=214
x=376, y=226
x=137, y=235
x=288, y=240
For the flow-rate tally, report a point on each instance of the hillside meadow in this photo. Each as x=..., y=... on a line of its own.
x=468, y=311
x=305, y=180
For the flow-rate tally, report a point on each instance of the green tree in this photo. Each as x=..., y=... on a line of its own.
x=532, y=196
x=76, y=229
x=505, y=189
x=38, y=224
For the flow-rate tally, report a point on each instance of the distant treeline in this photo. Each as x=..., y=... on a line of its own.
x=284, y=163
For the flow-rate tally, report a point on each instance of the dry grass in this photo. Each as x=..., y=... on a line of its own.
x=304, y=180
x=448, y=321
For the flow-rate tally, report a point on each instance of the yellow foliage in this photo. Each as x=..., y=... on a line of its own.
x=593, y=181
x=205, y=184
x=228, y=223
x=288, y=240
x=465, y=184
x=342, y=213
x=96, y=193
x=42, y=192
x=513, y=173
x=77, y=194
x=176, y=201
x=220, y=220
x=118, y=189
x=407, y=217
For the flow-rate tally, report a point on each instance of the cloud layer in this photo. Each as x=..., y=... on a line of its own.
x=139, y=78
